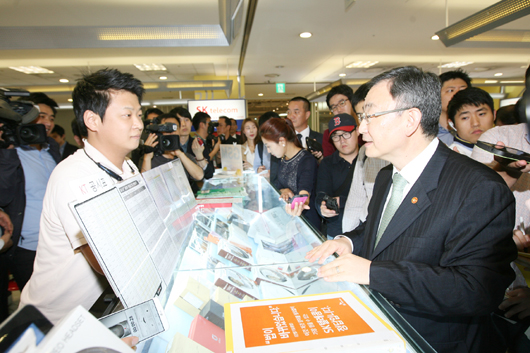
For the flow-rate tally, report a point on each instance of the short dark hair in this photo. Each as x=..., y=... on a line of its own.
x=307, y=105
x=470, y=96
x=507, y=115
x=198, y=118
x=266, y=116
x=359, y=95
x=345, y=90
x=93, y=92
x=452, y=75
x=58, y=129
x=182, y=112
x=228, y=122
x=42, y=98
x=167, y=116
x=410, y=86
x=151, y=111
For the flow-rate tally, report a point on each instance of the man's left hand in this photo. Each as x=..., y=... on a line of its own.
x=348, y=267
x=517, y=304
x=318, y=155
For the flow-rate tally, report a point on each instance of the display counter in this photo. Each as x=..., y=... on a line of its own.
x=243, y=246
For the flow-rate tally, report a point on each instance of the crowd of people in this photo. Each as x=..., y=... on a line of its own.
x=409, y=202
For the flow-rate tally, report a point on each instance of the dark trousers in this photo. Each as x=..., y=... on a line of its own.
x=21, y=266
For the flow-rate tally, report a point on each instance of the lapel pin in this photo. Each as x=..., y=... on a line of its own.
x=414, y=200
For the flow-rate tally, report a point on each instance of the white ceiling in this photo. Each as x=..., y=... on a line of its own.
x=393, y=32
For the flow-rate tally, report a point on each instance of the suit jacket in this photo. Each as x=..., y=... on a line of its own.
x=315, y=135
x=444, y=259
x=68, y=150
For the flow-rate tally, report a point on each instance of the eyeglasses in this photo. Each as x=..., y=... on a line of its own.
x=367, y=117
x=345, y=136
x=340, y=104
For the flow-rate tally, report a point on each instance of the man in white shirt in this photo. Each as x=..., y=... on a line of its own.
x=66, y=273
x=429, y=243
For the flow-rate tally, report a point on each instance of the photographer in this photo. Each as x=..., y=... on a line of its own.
x=37, y=161
x=212, y=144
x=161, y=156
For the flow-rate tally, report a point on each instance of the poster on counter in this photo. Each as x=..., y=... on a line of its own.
x=336, y=321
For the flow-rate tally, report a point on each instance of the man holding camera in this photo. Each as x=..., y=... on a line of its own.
x=169, y=149
x=212, y=145
x=345, y=179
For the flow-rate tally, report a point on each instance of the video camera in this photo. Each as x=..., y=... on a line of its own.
x=165, y=142
x=15, y=117
x=212, y=125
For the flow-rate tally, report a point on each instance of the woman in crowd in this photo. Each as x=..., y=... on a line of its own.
x=193, y=171
x=250, y=139
x=297, y=172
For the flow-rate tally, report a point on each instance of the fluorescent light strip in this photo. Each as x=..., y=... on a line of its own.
x=361, y=64
x=150, y=67
x=455, y=64
x=31, y=69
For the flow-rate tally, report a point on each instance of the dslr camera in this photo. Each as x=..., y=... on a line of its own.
x=165, y=142
x=15, y=117
x=331, y=203
x=212, y=125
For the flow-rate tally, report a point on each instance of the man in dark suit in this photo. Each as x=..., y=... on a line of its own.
x=437, y=242
x=299, y=111
x=223, y=131
x=59, y=135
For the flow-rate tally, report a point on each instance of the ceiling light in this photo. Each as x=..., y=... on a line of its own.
x=363, y=64
x=163, y=77
x=145, y=104
x=64, y=80
x=305, y=35
x=491, y=81
x=435, y=37
x=512, y=81
x=154, y=106
x=342, y=75
x=498, y=74
x=70, y=100
x=150, y=67
x=455, y=64
x=31, y=69
x=491, y=17
x=260, y=94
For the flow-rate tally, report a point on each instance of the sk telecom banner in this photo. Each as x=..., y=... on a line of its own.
x=232, y=108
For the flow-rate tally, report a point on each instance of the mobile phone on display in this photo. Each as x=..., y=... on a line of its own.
x=504, y=152
x=201, y=142
x=297, y=198
x=144, y=320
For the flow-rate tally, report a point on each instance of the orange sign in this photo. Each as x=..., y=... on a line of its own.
x=302, y=321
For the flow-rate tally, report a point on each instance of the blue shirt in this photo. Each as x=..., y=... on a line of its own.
x=37, y=166
x=445, y=136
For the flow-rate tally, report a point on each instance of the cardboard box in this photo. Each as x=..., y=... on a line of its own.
x=182, y=343
x=193, y=298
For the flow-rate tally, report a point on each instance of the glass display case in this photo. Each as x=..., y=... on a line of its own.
x=242, y=246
